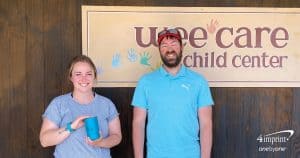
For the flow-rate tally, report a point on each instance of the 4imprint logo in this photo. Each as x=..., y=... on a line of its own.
x=276, y=137
x=274, y=142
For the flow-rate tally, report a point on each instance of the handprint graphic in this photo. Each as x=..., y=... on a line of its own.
x=132, y=55
x=116, y=60
x=99, y=70
x=213, y=26
x=145, y=57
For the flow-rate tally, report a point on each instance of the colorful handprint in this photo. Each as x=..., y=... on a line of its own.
x=116, y=60
x=132, y=55
x=213, y=26
x=145, y=57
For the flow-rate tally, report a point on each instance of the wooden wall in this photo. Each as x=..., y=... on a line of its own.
x=39, y=37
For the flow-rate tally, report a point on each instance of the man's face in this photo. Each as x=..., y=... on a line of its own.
x=170, y=51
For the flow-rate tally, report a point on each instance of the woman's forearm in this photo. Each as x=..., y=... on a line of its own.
x=53, y=136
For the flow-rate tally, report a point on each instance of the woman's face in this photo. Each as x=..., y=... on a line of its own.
x=82, y=77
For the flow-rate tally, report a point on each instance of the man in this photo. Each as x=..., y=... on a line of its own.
x=177, y=102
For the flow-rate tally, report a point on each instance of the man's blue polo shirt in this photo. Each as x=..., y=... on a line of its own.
x=172, y=104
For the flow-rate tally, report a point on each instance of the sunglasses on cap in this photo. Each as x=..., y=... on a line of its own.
x=169, y=32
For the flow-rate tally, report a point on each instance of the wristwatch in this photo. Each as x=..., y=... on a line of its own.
x=69, y=128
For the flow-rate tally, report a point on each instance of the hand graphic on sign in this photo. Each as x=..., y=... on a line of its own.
x=145, y=57
x=212, y=27
x=132, y=55
x=116, y=60
x=99, y=70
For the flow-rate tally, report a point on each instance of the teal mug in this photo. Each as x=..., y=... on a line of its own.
x=92, y=127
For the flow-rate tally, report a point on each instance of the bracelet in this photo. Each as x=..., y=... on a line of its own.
x=69, y=128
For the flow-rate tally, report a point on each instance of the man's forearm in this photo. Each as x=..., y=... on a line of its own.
x=206, y=140
x=138, y=139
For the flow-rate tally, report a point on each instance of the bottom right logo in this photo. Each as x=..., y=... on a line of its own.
x=274, y=142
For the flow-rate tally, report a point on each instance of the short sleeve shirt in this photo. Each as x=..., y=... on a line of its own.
x=64, y=109
x=172, y=104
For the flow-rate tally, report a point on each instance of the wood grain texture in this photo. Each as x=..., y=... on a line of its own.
x=35, y=81
x=5, y=88
x=295, y=142
x=16, y=73
x=70, y=24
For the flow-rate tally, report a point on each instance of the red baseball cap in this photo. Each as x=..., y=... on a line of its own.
x=168, y=33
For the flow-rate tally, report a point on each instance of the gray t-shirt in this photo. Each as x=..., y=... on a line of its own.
x=64, y=109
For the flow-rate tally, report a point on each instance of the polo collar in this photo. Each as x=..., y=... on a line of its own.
x=181, y=72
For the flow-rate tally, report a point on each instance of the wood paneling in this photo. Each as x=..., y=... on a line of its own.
x=5, y=89
x=295, y=142
x=71, y=23
x=16, y=113
x=38, y=39
x=35, y=80
x=242, y=114
x=122, y=99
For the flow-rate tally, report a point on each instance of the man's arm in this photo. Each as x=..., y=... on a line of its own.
x=205, y=121
x=138, y=131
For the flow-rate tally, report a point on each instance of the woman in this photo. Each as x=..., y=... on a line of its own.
x=63, y=119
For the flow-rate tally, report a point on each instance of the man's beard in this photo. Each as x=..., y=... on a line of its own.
x=171, y=62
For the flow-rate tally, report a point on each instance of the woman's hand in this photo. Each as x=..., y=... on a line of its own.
x=114, y=136
x=51, y=134
x=96, y=142
x=78, y=122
